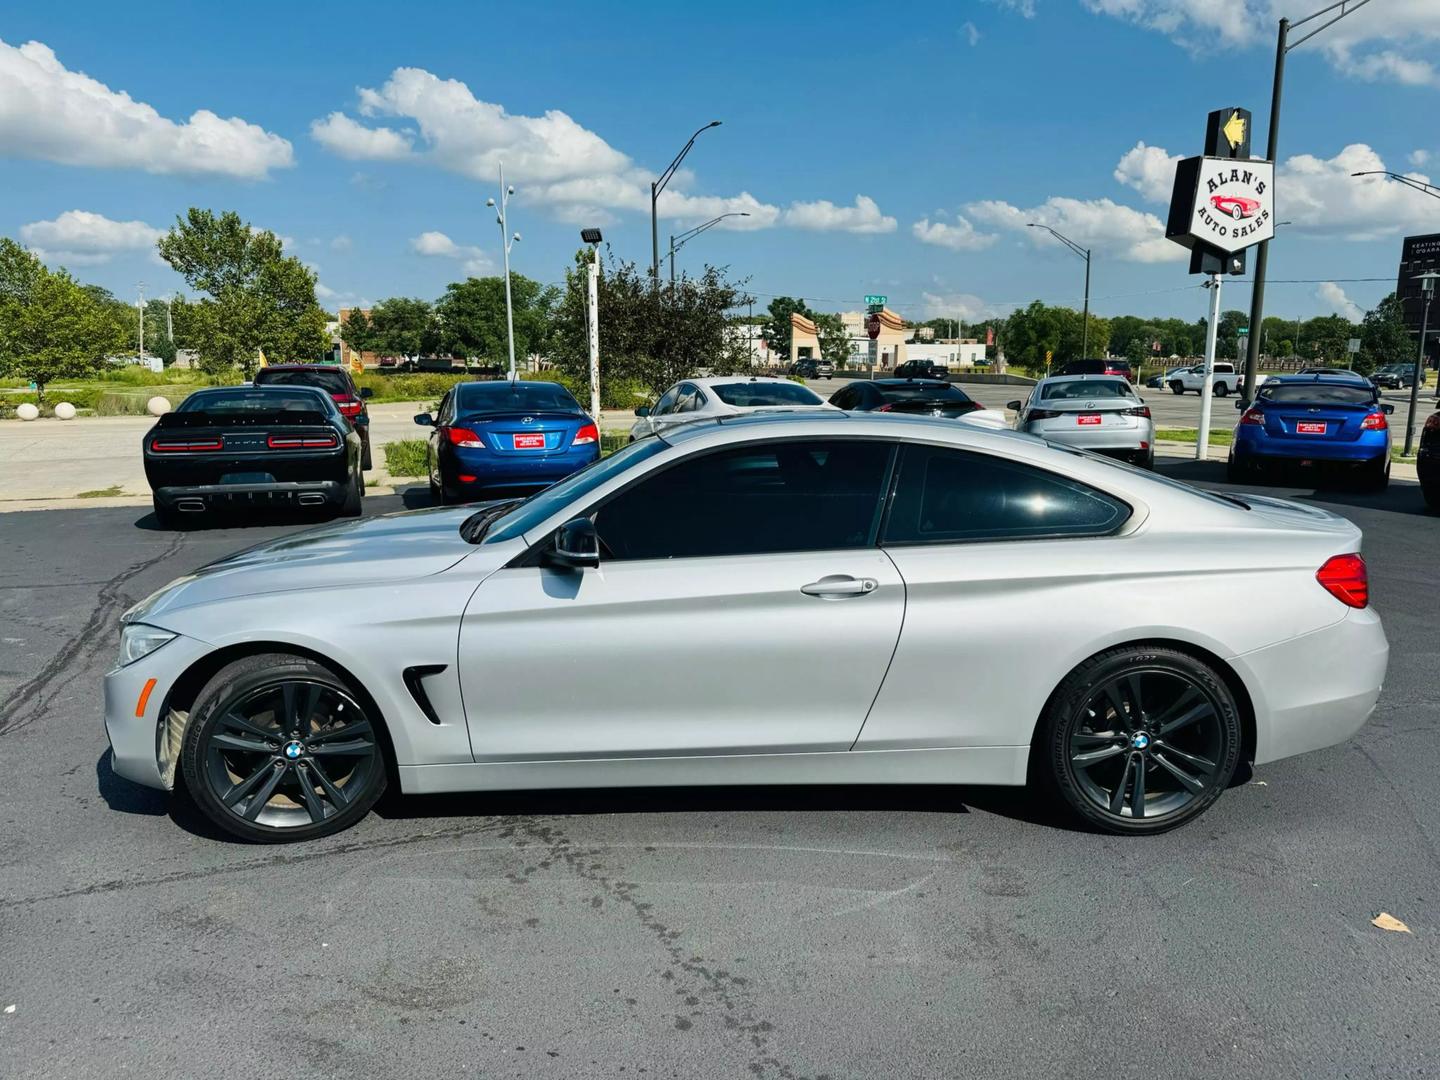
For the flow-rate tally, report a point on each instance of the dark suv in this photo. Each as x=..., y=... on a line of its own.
x=336, y=382
x=813, y=369
x=921, y=369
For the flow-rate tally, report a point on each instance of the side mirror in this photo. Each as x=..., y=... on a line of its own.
x=365, y=393
x=1387, y=409
x=642, y=410
x=1240, y=404
x=576, y=546
x=424, y=419
x=1013, y=405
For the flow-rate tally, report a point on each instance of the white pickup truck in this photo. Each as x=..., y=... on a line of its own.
x=1226, y=379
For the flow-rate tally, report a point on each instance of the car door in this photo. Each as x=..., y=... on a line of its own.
x=1007, y=569
x=741, y=605
x=444, y=414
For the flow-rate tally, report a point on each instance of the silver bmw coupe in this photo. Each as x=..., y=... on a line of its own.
x=822, y=598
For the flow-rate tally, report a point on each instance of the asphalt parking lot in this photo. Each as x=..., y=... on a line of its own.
x=841, y=932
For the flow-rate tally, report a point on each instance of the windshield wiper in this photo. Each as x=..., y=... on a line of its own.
x=473, y=528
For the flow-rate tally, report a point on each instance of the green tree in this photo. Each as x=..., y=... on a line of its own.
x=834, y=338
x=776, y=327
x=50, y=326
x=404, y=326
x=653, y=337
x=256, y=297
x=1384, y=338
x=472, y=318
x=357, y=331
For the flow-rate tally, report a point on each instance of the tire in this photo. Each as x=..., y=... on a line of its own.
x=354, y=496
x=1186, y=724
x=1177, y=388
x=1237, y=213
x=235, y=746
x=1221, y=390
x=1376, y=477
x=366, y=462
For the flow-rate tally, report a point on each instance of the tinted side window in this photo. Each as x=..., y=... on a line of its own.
x=949, y=496
x=807, y=495
x=667, y=400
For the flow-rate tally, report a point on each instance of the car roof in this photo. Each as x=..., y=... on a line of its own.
x=287, y=390
x=1324, y=380
x=1083, y=378
x=907, y=382
x=303, y=367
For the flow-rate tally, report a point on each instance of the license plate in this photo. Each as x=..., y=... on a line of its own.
x=1311, y=427
x=1088, y=418
x=528, y=442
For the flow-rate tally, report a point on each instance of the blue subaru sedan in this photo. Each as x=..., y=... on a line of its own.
x=496, y=438
x=1314, y=421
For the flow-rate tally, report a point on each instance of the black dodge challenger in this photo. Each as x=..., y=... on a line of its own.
x=241, y=446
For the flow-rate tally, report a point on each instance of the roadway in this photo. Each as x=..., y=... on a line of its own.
x=841, y=932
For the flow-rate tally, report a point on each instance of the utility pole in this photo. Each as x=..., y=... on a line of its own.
x=141, y=286
x=656, y=187
x=506, y=240
x=1207, y=388
x=592, y=318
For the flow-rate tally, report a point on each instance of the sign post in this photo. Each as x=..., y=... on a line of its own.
x=1222, y=204
x=872, y=327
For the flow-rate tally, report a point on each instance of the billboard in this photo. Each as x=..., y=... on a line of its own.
x=1419, y=254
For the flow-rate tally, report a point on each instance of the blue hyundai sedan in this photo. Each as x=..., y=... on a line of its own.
x=492, y=438
x=1335, y=421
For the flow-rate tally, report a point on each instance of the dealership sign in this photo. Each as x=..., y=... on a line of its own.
x=1222, y=203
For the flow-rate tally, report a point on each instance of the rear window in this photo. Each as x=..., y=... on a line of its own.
x=1087, y=389
x=1085, y=367
x=761, y=394
x=922, y=392
x=1317, y=393
x=332, y=382
x=241, y=400
x=506, y=397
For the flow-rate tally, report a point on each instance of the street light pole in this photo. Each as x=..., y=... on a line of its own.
x=141, y=305
x=592, y=318
x=1427, y=292
x=1283, y=45
x=656, y=187
x=1084, y=253
x=690, y=234
x=502, y=218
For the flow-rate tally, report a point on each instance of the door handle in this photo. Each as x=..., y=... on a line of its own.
x=838, y=585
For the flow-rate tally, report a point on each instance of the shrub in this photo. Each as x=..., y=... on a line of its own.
x=406, y=457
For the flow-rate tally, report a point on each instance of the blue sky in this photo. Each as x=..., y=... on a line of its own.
x=896, y=149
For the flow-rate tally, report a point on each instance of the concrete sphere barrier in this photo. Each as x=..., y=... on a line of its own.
x=64, y=411
x=27, y=411
x=157, y=406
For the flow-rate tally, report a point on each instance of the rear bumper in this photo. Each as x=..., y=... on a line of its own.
x=1253, y=443
x=1136, y=439
x=277, y=493
x=1318, y=689
x=493, y=470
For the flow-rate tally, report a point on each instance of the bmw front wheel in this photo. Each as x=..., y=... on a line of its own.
x=278, y=748
x=1140, y=739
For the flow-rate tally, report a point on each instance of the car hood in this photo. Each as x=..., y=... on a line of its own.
x=388, y=548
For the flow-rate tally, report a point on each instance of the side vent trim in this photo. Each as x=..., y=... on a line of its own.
x=414, y=682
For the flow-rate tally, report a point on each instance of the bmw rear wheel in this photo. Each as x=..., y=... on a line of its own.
x=278, y=748
x=1140, y=739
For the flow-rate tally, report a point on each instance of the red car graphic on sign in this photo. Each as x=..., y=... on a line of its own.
x=1237, y=206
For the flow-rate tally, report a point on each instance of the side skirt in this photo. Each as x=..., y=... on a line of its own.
x=959, y=765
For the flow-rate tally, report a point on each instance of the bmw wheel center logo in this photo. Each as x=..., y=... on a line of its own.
x=1139, y=741
x=293, y=750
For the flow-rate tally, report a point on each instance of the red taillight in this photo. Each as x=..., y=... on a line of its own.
x=589, y=433
x=1042, y=414
x=1252, y=416
x=1139, y=410
x=1374, y=422
x=302, y=442
x=885, y=408
x=171, y=446
x=463, y=436
x=1346, y=578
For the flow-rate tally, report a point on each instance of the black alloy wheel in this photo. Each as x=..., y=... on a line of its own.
x=1142, y=739
x=280, y=749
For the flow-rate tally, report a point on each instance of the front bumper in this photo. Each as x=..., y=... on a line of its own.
x=142, y=747
x=1318, y=689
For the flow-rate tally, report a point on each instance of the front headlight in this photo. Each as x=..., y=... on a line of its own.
x=137, y=640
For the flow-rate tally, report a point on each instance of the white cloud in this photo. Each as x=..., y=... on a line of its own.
x=1389, y=42
x=1419, y=158
x=965, y=306
x=83, y=238
x=825, y=216
x=1099, y=224
x=341, y=243
x=1025, y=8
x=50, y=113
x=1320, y=196
x=439, y=246
x=961, y=236
x=971, y=33
x=1149, y=170
x=348, y=139
x=552, y=160
x=1332, y=294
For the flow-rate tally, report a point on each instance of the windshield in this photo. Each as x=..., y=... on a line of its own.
x=241, y=400
x=541, y=505
x=922, y=392
x=1318, y=393
x=477, y=398
x=1087, y=389
x=333, y=382
x=761, y=394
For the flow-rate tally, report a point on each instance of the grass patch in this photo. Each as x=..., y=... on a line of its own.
x=406, y=458
x=1218, y=436
x=102, y=493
